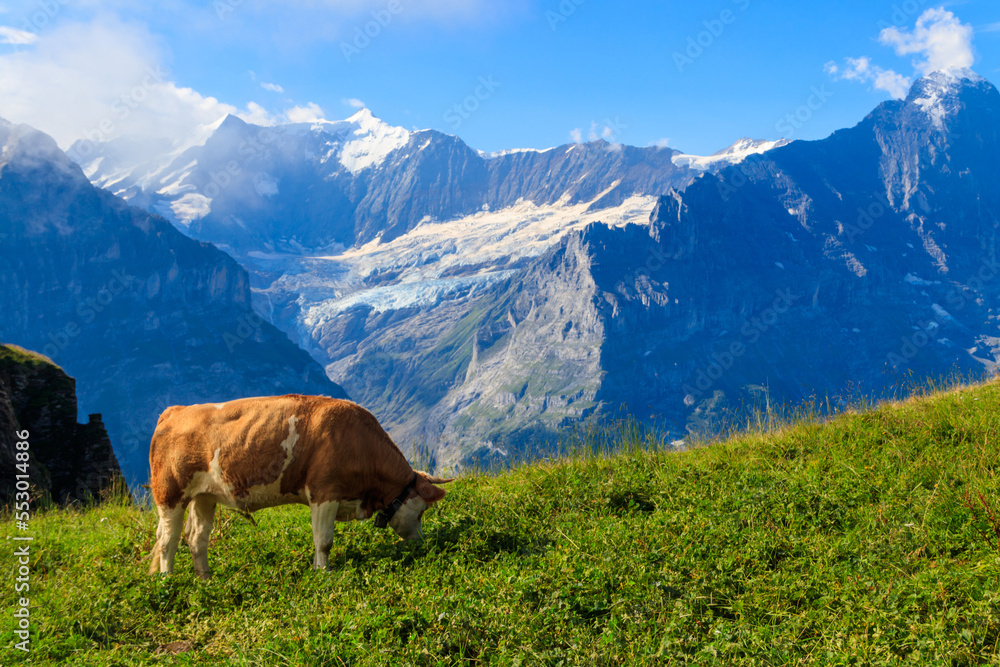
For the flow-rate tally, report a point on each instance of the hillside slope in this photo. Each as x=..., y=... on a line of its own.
x=871, y=539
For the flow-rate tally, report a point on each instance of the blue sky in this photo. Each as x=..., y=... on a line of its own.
x=520, y=73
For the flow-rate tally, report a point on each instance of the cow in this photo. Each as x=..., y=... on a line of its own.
x=252, y=453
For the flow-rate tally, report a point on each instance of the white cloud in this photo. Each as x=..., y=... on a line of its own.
x=661, y=143
x=100, y=80
x=892, y=82
x=10, y=35
x=863, y=71
x=576, y=136
x=353, y=102
x=257, y=115
x=273, y=87
x=310, y=113
x=939, y=39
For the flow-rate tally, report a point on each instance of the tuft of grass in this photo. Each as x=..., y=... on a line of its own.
x=10, y=353
x=868, y=538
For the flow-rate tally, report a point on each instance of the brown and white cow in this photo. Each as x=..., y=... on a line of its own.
x=261, y=452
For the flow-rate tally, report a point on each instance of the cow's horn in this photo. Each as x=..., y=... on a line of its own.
x=436, y=480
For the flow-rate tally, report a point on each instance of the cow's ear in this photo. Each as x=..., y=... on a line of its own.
x=429, y=492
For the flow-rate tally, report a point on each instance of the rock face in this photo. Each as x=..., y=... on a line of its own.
x=141, y=315
x=829, y=269
x=69, y=460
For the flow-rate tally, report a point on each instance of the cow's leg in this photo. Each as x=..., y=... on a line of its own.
x=324, y=522
x=168, y=534
x=201, y=516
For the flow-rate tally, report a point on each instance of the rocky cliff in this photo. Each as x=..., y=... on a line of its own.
x=67, y=459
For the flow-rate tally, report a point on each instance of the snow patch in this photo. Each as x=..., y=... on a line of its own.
x=513, y=151
x=190, y=207
x=734, y=154
x=914, y=280
x=436, y=260
x=941, y=312
x=938, y=90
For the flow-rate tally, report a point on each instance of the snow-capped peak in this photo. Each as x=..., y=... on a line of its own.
x=370, y=141
x=935, y=93
x=954, y=75
x=364, y=117
x=731, y=155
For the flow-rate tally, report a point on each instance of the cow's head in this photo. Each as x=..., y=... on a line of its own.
x=406, y=520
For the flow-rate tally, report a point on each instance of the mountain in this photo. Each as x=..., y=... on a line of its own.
x=369, y=243
x=68, y=460
x=827, y=269
x=142, y=316
x=345, y=183
x=481, y=304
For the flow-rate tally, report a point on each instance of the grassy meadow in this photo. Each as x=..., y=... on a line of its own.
x=870, y=539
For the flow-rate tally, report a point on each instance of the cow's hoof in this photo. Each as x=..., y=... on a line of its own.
x=205, y=575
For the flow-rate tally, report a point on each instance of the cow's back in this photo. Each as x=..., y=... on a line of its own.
x=274, y=445
x=241, y=440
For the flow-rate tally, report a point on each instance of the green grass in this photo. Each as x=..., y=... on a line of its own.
x=869, y=539
x=11, y=353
